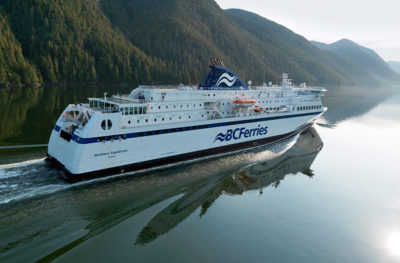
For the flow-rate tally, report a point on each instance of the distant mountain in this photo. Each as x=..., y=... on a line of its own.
x=395, y=66
x=364, y=57
x=185, y=33
x=287, y=51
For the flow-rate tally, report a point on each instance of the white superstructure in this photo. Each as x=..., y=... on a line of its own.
x=156, y=125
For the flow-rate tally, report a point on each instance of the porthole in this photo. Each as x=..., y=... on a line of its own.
x=109, y=122
x=103, y=124
x=159, y=107
x=155, y=120
x=129, y=122
x=147, y=120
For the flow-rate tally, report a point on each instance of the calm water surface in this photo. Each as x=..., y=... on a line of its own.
x=332, y=194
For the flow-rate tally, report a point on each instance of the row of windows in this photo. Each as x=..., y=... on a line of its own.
x=180, y=106
x=133, y=110
x=160, y=119
x=309, y=107
x=111, y=138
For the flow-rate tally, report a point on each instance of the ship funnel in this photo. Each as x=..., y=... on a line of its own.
x=221, y=77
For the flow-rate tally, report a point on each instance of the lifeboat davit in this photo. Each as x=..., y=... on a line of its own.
x=244, y=102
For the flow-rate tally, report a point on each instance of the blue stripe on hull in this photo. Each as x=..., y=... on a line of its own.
x=81, y=140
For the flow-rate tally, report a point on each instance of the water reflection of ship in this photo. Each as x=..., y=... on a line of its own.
x=255, y=176
x=100, y=206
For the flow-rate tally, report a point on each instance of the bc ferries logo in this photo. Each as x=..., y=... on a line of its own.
x=239, y=133
x=226, y=79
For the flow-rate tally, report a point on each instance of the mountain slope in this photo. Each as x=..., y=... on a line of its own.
x=282, y=44
x=72, y=41
x=395, y=66
x=185, y=33
x=154, y=41
x=364, y=57
x=14, y=68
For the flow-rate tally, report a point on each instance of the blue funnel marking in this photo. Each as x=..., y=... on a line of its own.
x=222, y=78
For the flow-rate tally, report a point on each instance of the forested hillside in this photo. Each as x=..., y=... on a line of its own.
x=283, y=50
x=154, y=41
x=14, y=68
x=184, y=33
x=365, y=58
x=72, y=41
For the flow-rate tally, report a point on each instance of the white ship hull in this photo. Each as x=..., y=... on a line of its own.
x=161, y=125
x=135, y=153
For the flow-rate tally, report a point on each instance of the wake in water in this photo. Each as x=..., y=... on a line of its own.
x=28, y=179
x=32, y=178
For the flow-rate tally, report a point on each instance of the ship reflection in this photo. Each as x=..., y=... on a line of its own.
x=101, y=205
x=298, y=159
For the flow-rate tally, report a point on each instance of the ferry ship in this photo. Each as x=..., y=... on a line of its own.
x=159, y=125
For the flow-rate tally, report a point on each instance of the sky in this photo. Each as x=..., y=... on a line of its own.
x=371, y=23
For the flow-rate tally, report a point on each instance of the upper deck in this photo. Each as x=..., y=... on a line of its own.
x=222, y=95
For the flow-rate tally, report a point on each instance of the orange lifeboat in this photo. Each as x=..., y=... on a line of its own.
x=259, y=109
x=244, y=102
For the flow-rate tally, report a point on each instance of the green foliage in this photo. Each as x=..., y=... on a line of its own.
x=14, y=68
x=154, y=41
x=72, y=41
x=185, y=33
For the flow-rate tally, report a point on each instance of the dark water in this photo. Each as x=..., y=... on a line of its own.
x=332, y=194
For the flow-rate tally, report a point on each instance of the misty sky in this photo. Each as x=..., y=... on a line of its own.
x=371, y=23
